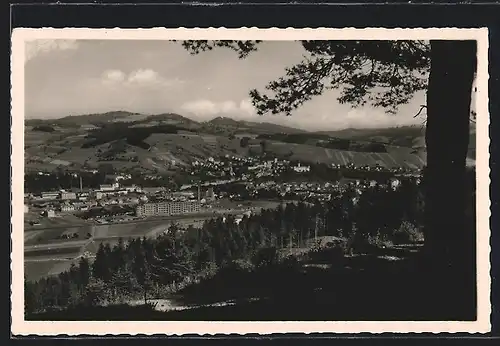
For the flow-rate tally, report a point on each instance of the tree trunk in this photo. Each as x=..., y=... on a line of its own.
x=449, y=243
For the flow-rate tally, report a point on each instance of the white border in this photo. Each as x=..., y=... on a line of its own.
x=21, y=327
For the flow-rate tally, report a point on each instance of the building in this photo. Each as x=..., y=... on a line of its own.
x=68, y=196
x=133, y=188
x=109, y=187
x=83, y=196
x=67, y=208
x=51, y=213
x=301, y=169
x=153, y=190
x=50, y=195
x=209, y=194
x=167, y=208
x=88, y=127
x=99, y=194
x=395, y=183
x=26, y=208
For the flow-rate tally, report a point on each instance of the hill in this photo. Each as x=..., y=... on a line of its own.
x=162, y=142
x=75, y=121
x=403, y=136
x=406, y=136
x=229, y=125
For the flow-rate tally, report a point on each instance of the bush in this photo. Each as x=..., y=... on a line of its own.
x=407, y=233
x=44, y=128
x=238, y=265
x=265, y=257
x=358, y=242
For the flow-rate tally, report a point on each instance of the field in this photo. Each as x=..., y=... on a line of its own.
x=66, y=252
x=47, y=253
x=54, y=222
x=45, y=249
x=37, y=269
x=394, y=158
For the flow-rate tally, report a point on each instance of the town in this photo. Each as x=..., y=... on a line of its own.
x=221, y=181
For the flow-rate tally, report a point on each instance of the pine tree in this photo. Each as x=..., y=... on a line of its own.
x=95, y=292
x=387, y=74
x=100, y=267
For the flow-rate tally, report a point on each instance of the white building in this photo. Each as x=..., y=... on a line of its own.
x=301, y=169
x=109, y=187
x=133, y=188
x=50, y=195
x=68, y=196
x=395, y=183
x=83, y=196
x=167, y=208
x=26, y=208
x=67, y=208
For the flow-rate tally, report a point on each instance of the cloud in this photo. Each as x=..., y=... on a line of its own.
x=138, y=78
x=330, y=118
x=204, y=109
x=114, y=76
x=38, y=47
x=144, y=76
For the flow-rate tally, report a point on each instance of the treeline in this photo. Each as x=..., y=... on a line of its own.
x=297, y=138
x=36, y=183
x=124, y=131
x=145, y=268
x=325, y=141
x=43, y=128
x=346, y=144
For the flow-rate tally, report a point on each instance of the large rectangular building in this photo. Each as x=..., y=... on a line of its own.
x=167, y=208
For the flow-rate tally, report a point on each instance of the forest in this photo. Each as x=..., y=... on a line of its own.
x=133, y=135
x=147, y=268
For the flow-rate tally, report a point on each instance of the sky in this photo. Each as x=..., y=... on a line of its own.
x=72, y=77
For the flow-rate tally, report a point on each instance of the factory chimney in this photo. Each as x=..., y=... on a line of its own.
x=199, y=192
x=81, y=184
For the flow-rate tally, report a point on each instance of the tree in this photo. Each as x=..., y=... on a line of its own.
x=100, y=267
x=95, y=292
x=263, y=146
x=244, y=142
x=387, y=74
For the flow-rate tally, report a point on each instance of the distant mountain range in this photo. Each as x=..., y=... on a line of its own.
x=217, y=125
x=158, y=142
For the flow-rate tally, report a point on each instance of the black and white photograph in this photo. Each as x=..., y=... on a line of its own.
x=324, y=180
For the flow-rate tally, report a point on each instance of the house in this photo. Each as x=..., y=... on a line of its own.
x=209, y=194
x=51, y=213
x=133, y=188
x=88, y=127
x=83, y=196
x=395, y=183
x=153, y=190
x=67, y=208
x=301, y=169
